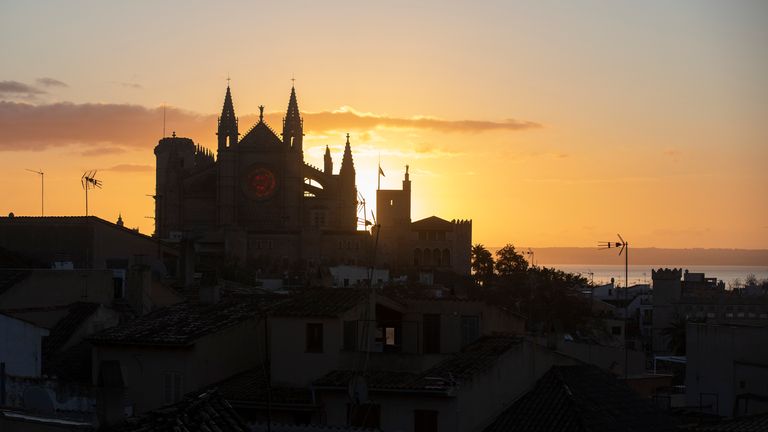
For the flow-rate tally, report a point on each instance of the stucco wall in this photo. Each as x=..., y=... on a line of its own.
x=20, y=346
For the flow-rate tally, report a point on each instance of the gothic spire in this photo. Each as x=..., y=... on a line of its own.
x=347, y=164
x=327, y=161
x=227, y=122
x=293, y=124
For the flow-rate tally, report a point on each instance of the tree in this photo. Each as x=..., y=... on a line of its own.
x=482, y=264
x=676, y=334
x=509, y=261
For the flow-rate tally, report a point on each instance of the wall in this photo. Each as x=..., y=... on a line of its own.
x=213, y=358
x=471, y=406
x=20, y=346
x=59, y=287
x=719, y=358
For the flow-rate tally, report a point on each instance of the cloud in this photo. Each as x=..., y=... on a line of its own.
x=17, y=89
x=347, y=118
x=50, y=82
x=25, y=126
x=129, y=85
x=131, y=168
x=101, y=151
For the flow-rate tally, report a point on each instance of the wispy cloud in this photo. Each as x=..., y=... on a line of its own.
x=130, y=85
x=131, y=168
x=102, y=151
x=18, y=89
x=25, y=126
x=50, y=82
x=348, y=118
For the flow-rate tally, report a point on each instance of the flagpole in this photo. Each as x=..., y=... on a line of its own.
x=378, y=175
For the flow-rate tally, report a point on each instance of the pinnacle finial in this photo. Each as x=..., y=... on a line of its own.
x=347, y=137
x=261, y=113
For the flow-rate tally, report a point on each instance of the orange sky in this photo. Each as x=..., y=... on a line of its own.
x=547, y=124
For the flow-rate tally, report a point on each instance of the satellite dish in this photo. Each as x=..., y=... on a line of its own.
x=358, y=390
x=38, y=399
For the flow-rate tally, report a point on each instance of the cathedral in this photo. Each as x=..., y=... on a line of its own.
x=256, y=203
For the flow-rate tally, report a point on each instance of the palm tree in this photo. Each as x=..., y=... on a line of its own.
x=482, y=264
x=676, y=334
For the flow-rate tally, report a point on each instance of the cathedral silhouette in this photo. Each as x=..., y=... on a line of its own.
x=258, y=204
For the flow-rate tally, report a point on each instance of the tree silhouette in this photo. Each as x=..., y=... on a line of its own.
x=509, y=261
x=482, y=264
x=676, y=334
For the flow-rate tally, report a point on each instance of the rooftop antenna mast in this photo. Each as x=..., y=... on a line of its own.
x=88, y=181
x=624, y=245
x=42, y=189
x=530, y=253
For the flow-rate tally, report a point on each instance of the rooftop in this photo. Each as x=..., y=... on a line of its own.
x=251, y=386
x=196, y=412
x=476, y=357
x=183, y=323
x=321, y=302
x=581, y=399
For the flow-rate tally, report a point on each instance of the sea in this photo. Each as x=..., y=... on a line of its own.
x=639, y=274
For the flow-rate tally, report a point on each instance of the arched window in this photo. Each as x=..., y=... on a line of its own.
x=446, y=257
x=436, y=257
x=426, y=258
x=417, y=256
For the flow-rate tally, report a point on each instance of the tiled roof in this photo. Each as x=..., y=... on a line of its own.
x=9, y=278
x=65, y=327
x=753, y=423
x=251, y=386
x=442, y=377
x=183, y=323
x=197, y=412
x=321, y=302
x=581, y=399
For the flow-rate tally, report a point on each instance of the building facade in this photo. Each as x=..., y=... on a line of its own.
x=257, y=201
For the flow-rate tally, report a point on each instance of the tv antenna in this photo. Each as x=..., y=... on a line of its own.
x=42, y=189
x=88, y=181
x=529, y=252
x=624, y=245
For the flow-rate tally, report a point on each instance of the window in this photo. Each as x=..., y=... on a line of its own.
x=446, y=257
x=422, y=235
x=367, y=415
x=441, y=235
x=470, y=329
x=350, y=335
x=431, y=333
x=172, y=387
x=314, y=337
x=424, y=421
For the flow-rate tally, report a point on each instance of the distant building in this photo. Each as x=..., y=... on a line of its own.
x=256, y=202
x=431, y=244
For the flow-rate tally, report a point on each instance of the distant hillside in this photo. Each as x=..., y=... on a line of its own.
x=641, y=256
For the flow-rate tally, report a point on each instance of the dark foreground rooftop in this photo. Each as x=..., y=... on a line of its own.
x=581, y=398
